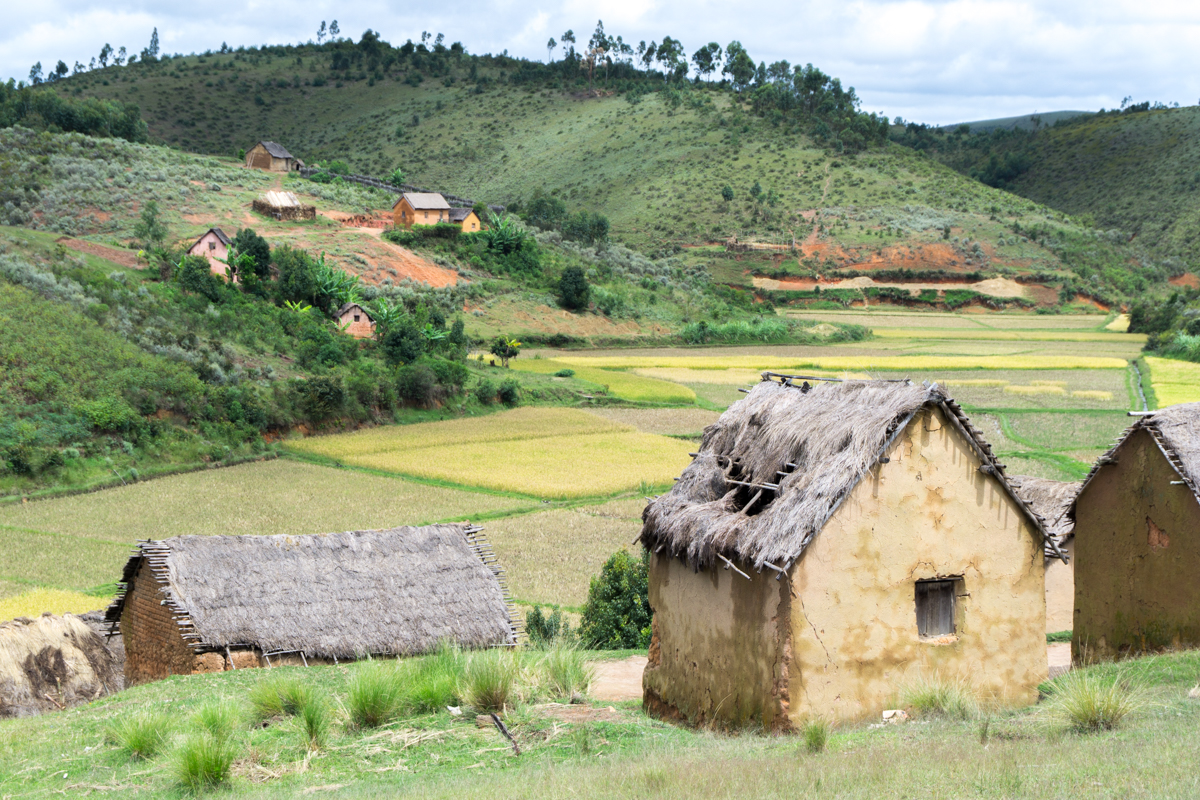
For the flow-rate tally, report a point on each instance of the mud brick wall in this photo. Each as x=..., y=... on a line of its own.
x=154, y=647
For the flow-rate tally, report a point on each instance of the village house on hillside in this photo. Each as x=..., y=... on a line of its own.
x=830, y=544
x=1137, y=549
x=355, y=320
x=213, y=245
x=209, y=603
x=467, y=218
x=273, y=157
x=1051, y=500
x=420, y=208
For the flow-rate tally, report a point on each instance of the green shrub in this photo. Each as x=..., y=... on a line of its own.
x=543, y=630
x=141, y=735
x=509, y=392
x=816, y=735
x=417, y=384
x=565, y=373
x=204, y=762
x=195, y=275
x=485, y=391
x=1087, y=701
x=489, y=679
x=617, y=613
x=374, y=696
x=565, y=673
x=939, y=696
x=573, y=290
x=279, y=695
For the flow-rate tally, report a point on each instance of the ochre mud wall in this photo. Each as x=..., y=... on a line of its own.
x=1060, y=591
x=927, y=513
x=1137, y=549
x=154, y=647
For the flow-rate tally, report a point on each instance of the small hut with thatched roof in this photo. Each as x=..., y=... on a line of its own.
x=50, y=663
x=1137, y=553
x=830, y=543
x=1051, y=501
x=210, y=603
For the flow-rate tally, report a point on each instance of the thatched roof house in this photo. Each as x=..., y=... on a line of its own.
x=466, y=218
x=1051, y=500
x=830, y=542
x=50, y=663
x=272, y=156
x=1137, y=517
x=283, y=205
x=208, y=603
x=355, y=320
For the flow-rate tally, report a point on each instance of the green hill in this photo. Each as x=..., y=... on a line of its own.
x=652, y=156
x=1024, y=122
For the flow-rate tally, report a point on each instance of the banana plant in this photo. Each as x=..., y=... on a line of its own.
x=336, y=284
x=386, y=314
x=298, y=307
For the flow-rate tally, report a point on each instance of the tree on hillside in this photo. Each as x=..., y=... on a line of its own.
x=727, y=194
x=739, y=66
x=707, y=59
x=120, y=57
x=505, y=348
x=105, y=54
x=568, y=38
x=573, y=289
x=671, y=56
x=322, y=32
x=60, y=70
x=35, y=74
x=151, y=51
x=334, y=30
x=248, y=242
x=550, y=45
x=195, y=275
x=647, y=56
x=150, y=228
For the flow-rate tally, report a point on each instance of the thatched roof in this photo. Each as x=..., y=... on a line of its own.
x=424, y=200
x=460, y=214
x=1050, y=500
x=778, y=463
x=49, y=663
x=220, y=234
x=277, y=199
x=347, y=307
x=276, y=150
x=335, y=595
x=1176, y=429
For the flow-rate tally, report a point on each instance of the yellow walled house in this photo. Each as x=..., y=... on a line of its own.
x=355, y=320
x=1137, y=549
x=467, y=218
x=831, y=544
x=272, y=157
x=420, y=208
x=1051, y=500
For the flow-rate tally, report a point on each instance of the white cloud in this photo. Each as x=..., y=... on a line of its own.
x=932, y=60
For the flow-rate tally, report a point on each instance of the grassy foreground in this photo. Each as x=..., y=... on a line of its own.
x=608, y=751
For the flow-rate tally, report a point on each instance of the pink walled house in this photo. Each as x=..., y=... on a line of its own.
x=355, y=320
x=213, y=245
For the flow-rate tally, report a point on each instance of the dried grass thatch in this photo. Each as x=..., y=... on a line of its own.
x=283, y=205
x=776, y=465
x=1050, y=500
x=50, y=663
x=335, y=595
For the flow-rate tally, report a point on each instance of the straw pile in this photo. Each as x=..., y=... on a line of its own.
x=336, y=595
x=50, y=663
x=773, y=469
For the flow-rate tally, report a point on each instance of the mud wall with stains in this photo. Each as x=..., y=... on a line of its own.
x=154, y=648
x=927, y=513
x=1137, y=557
x=719, y=650
x=1060, y=590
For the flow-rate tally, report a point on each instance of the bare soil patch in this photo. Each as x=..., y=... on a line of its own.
x=579, y=712
x=1058, y=656
x=619, y=680
x=1186, y=279
x=994, y=287
x=126, y=258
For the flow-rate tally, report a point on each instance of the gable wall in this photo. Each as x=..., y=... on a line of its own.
x=928, y=513
x=154, y=647
x=1137, y=550
x=220, y=251
x=258, y=157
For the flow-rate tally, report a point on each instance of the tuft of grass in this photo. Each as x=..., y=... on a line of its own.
x=1089, y=701
x=203, y=762
x=582, y=739
x=141, y=735
x=564, y=671
x=939, y=696
x=489, y=679
x=218, y=718
x=375, y=695
x=816, y=735
x=314, y=716
x=431, y=683
x=279, y=695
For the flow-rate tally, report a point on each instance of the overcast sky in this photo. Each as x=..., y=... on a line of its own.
x=937, y=61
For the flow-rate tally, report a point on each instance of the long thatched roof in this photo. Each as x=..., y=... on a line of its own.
x=1176, y=430
x=778, y=463
x=335, y=595
x=1051, y=501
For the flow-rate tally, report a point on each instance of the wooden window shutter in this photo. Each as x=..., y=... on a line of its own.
x=935, y=608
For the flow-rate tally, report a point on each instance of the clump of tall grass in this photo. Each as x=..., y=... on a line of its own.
x=203, y=762
x=431, y=683
x=939, y=696
x=489, y=679
x=140, y=735
x=1087, y=701
x=565, y=672
x=314, y=717
x=375, y=695
x=280, y=695
x=816, y=735
x=219, y=718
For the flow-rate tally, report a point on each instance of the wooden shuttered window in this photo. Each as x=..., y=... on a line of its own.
x=935, y=608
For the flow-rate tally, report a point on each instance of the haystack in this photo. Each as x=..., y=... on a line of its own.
x=1137, y=543
x=830, y=541
x=283, y=205
x=206, y=603
x=51, y=663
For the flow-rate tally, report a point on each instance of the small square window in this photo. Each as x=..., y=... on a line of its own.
x=935, y=608
x=212, y=245
x=356, y=317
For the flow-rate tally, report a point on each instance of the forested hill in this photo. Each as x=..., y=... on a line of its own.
x=1134, y=173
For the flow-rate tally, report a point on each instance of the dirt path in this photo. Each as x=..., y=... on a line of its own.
x=126, y=258
x=994, y=287
x=1059, y=656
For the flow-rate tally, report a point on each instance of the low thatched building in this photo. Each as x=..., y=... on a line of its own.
x=283, y=205
x=1137, y=553
x=831, y=543
x=272, y=157
x=1051, y=500
x=209, y=603
x=50, y=663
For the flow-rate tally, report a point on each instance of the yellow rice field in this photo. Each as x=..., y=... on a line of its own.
x=1092, y=394
x=1034, y=390
x=840, y=363
x=976, y=382
x=554, y=453
x=1011, y=335
x=1119, y=325
x=1174, y=381
x=627, y=386
x=57, y=601
x=726, y=377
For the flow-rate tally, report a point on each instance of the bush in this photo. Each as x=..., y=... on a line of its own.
x=1087, y=701
x=489, y=679
x=543, y=630
x=485, y=392
x=374, y=696
x=204, y=762
x=195, y=275
x=565, y=373
x=140, y=735
x=402, y=344
x=573, y=290
x=617, y=613
x=322, y=396
x=816, y=735
x=565, y=672
x=417, y=384
x=941, y=697
x=509, y=392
